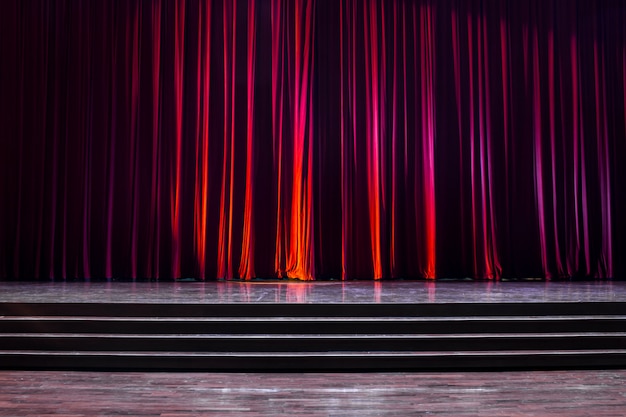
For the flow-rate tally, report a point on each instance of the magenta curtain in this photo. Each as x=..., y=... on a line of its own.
x=312, y=139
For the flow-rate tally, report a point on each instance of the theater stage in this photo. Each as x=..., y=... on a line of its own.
x=313, y=326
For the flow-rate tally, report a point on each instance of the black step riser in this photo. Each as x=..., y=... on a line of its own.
x=315, y=363
x=312, y=337
x=311, y=310
x=277, y=344
x=279, y=326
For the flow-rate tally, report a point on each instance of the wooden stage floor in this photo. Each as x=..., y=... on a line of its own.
x=555, y=393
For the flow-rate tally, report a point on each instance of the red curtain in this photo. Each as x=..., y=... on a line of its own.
x=312, y=139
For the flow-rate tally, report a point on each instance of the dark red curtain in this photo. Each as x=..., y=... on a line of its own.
x=312, y=139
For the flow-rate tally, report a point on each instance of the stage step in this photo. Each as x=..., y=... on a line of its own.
x=312, y=343
x=313, y=310
x=359, y=361
x=313, y=325
x=282, y=337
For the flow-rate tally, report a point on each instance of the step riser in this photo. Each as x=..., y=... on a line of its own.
x=167, y=337
x=311, y=327
x=275, y=344
x=313, y=363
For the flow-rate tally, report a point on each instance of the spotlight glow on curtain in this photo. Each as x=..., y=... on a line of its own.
x=312, y=139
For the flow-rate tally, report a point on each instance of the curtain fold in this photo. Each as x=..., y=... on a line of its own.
x=312, y=139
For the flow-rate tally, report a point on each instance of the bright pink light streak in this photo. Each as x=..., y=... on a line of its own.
x=354, y=88
x=309, y=254
x=483, y=157
x=350, y=166
x=295, y=267
x=310, y=230
x=179, y=49
x=382, y=126
x=428, y=136
x=199, y=151
x=246, y=266
x=344, y=194
x=417, y=163
x=405, y=103
x=372, y=133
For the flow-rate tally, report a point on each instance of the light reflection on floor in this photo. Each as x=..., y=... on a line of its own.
x=314, y=292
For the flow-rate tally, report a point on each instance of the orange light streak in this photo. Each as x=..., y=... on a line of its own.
x=299, y=220
x=300, y=249
x=374, y=113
